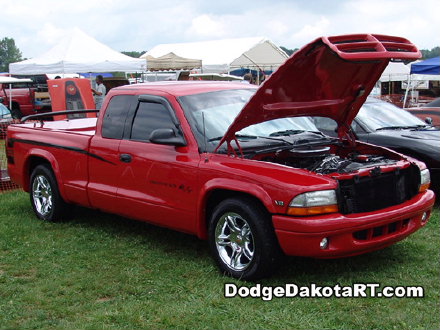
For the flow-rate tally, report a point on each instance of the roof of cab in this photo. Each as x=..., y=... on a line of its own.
x=181, y=88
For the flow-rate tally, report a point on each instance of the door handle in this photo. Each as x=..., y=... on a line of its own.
x=126, y=158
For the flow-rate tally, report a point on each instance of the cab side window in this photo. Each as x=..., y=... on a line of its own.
x=115, y=116
x=150, y=116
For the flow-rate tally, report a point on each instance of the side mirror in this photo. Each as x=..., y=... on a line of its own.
x=428, y=120
x=166, y=136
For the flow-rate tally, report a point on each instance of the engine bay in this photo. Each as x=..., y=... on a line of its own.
x=324, y=160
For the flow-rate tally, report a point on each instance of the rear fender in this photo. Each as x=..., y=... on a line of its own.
x=48, y=157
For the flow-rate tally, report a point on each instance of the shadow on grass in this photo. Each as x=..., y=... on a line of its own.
x=167, y=240
x=191, y=249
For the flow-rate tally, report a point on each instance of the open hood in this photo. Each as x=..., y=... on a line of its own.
x=330, y=77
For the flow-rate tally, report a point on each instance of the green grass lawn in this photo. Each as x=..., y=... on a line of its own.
x=100, y=271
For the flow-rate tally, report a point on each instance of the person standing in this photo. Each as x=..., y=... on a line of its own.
x=99, y=92
x=247, y=78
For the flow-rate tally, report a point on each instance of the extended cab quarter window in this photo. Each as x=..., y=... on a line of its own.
x=115, y=115
x=150, y=116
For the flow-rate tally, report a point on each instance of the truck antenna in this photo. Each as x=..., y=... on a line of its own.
x=205, y=147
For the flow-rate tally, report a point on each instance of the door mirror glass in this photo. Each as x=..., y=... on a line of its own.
x=428, y=120
x=166, y=136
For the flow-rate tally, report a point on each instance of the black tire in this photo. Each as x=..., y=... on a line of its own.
x=251, y=250
x=45, y=197
x=16, y=112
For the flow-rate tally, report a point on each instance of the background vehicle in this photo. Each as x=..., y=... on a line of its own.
x=382, y=123
x=22, y=95
x=435, y=104
x=28, y=98
x=5, y=119
x=430, y=110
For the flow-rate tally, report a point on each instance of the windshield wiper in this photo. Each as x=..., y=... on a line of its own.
x=289, y=132
x=403, y=127
x=320, y=142
x=252, y=137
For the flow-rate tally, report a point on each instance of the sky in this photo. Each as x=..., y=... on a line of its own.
x=139, y=25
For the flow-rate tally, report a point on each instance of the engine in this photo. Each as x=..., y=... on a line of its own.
x=321, y=160
x=357, y=194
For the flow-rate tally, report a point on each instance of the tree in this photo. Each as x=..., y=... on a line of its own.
x=133, y=53
x=9, y=53
x=288, y=51
x=430, y=53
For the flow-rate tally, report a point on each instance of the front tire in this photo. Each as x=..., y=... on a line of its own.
x=45, y=197
x=242, y=239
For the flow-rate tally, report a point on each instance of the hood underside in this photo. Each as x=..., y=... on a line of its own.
x=330, y=77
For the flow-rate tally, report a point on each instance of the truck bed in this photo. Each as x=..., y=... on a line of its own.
x=64, y=143
x=84, y=126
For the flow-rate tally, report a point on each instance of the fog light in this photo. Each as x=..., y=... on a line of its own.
x=424, y=217
x=324, y=243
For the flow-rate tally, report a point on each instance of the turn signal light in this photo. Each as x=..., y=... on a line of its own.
x=312, y=210
x=424, y=187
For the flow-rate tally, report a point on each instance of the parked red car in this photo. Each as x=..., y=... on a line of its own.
x=237, y=165
x=430, y=110
x=21, y=97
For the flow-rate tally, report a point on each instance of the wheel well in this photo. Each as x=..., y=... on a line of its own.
x=33, y=162
x=218, y=195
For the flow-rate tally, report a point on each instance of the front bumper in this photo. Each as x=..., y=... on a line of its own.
x=352, y=234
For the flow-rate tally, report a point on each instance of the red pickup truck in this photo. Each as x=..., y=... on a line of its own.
x=21, y=97
x=241, y=166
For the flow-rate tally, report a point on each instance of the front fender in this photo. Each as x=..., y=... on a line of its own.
x=233, y=186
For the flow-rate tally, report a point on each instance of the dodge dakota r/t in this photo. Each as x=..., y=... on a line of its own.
x=241, y=166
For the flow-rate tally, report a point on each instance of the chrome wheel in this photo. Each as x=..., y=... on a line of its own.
x=42, y=195
x=234, y=241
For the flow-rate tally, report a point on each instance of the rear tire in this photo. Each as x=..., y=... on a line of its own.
x=45, y=197
x=242, y=239
x=16, y=112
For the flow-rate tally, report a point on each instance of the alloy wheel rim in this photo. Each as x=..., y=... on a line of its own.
x=234, y=241
x=42, y=195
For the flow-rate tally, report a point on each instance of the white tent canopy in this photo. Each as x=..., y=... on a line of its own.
x=12, y=80
x=171, y=61
x=226, y=54
x=78, y=52
x=395, y=71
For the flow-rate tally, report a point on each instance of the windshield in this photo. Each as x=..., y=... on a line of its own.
x=435, y=103
x=376, y=114
x=219, y=109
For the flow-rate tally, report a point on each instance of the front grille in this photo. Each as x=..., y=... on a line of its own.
x=380, y=231
x=379, y=190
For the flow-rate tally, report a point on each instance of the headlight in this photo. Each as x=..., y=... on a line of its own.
x=425, y=180
x=314, y=203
